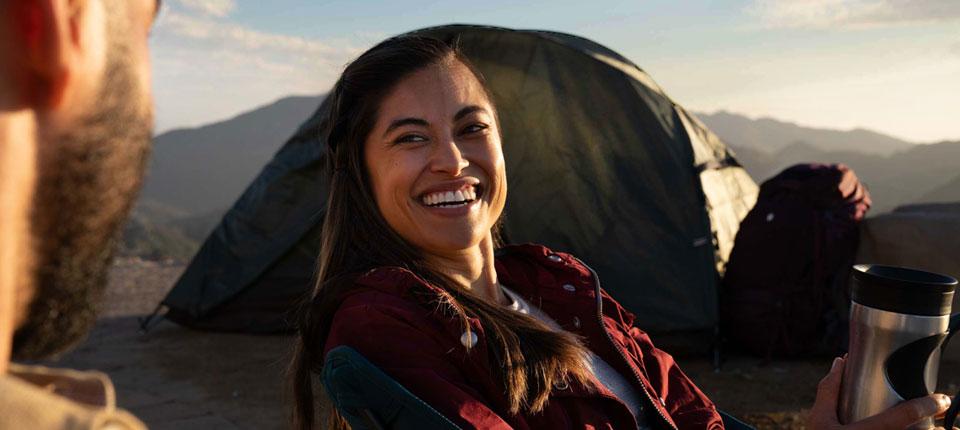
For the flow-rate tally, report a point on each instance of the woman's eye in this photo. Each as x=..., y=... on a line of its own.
x=411, y=138
x=474, y=128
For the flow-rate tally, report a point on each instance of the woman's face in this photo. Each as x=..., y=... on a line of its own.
x=435, y=162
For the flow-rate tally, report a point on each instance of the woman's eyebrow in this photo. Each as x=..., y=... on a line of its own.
x=405, y=121
x=466, y=111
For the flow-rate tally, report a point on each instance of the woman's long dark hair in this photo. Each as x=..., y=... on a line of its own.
x=355, y=238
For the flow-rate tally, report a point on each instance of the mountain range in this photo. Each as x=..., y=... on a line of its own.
x=195, y=174
x=204, y=169
x=771, y=135
x=895, y=171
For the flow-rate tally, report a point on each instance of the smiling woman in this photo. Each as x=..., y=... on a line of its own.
x=413, y=274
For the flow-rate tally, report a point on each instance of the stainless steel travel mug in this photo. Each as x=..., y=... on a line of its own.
x=899, y=319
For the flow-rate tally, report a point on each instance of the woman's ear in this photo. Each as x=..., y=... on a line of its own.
x=61, y=55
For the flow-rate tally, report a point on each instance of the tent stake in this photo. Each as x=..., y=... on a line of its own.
x=145, y=325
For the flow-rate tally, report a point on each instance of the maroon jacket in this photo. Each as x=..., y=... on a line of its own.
x=406, y=337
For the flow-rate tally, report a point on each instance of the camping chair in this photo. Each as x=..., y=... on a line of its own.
x=371, y=400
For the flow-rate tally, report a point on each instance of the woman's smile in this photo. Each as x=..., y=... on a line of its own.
x=453, y=199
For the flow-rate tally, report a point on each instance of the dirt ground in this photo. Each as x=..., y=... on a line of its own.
x=176, y=378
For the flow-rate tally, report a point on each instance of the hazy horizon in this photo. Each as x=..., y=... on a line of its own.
x=260, y=106
x=888, y=66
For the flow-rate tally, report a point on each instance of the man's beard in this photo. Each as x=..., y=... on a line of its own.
x=85, y=188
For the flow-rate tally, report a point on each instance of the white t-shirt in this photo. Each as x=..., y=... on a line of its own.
x=606, y=374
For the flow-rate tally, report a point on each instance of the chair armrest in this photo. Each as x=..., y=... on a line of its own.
x=370, y=399
x=731, y=423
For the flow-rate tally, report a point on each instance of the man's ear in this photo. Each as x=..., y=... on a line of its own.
x=61, y=46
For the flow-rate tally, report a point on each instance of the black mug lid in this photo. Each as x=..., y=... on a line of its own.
x=902, y=290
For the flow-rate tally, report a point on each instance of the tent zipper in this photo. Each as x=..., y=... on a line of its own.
x=596, y=287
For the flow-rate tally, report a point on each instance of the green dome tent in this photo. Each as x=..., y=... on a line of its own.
x=601, y=163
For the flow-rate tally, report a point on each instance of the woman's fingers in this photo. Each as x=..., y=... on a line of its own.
x=903, y=415
x=823, y=414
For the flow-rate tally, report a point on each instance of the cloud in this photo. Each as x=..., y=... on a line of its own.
x=207, y=68
x=218, y=8
x=852, y=13
x=237, y=36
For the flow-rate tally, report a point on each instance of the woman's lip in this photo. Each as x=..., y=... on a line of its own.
x=453, y=212
x=452, y=186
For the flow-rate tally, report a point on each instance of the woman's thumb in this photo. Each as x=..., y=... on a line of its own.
x=828, y=390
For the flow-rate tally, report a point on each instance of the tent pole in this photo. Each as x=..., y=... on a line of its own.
x=717, y=351
x=145, y=325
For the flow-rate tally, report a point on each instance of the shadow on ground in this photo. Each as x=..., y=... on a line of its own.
x=177, y=378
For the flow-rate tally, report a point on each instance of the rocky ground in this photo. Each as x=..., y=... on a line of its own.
x=176, y=378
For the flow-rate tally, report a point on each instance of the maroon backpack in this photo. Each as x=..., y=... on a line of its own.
x=784, y=291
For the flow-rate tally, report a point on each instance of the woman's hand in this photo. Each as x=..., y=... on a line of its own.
x=823, y=415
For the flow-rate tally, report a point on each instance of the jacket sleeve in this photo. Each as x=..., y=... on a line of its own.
x=400, y=344
x=688, y=406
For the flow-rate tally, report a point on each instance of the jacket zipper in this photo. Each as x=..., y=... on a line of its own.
x=596, y=286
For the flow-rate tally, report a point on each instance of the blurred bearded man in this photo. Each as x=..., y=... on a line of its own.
x=75, y=129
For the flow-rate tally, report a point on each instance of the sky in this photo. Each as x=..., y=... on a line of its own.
x=892, y=66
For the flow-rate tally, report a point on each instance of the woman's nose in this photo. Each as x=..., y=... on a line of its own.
x=448, y=158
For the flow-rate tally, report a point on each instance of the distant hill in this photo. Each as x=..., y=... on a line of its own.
x=922, y=173
x=946, y=193
x=145, y=238
x=196, y=174
x=897, y=172
x=204, y=169
x=770, y=135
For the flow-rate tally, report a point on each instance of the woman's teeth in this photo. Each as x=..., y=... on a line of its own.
x=450, y=198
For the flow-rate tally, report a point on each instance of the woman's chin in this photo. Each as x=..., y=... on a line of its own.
x=453, y=241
